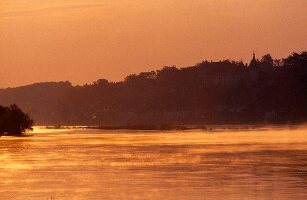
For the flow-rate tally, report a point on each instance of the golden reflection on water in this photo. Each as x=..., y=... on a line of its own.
x=99, y=164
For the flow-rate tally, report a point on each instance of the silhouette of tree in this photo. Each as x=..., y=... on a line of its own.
x=101, y=82
x=267, y=59
x=296, y=59
x=13, y=121
x=277, y=63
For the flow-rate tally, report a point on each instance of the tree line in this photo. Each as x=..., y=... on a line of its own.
x=224, y=92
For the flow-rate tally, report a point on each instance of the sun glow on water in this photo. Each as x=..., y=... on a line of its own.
x=46, y=129
x=78, y=163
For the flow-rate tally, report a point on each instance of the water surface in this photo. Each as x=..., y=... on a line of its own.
x=99, y=164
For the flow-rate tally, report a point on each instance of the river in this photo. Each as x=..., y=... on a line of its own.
x=75, y=164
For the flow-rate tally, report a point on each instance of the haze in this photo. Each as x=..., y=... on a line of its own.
x=84, y=40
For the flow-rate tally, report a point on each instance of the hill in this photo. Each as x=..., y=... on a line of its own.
x=224, y=92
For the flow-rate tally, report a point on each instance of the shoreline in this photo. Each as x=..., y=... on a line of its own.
x=164, y=127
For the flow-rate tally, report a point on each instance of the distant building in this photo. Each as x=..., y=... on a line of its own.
x=257, y=67
x=254, y=63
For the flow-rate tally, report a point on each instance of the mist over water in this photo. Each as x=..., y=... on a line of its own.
x=99, y=164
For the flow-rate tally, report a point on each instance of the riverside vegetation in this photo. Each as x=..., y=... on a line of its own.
x=265, y=91
x=13, y=121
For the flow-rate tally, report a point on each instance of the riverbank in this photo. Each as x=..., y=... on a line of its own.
x=167, y=127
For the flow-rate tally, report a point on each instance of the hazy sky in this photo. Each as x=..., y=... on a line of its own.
x=84, y=40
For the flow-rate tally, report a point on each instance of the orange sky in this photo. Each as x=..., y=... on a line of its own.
x=84, y=40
